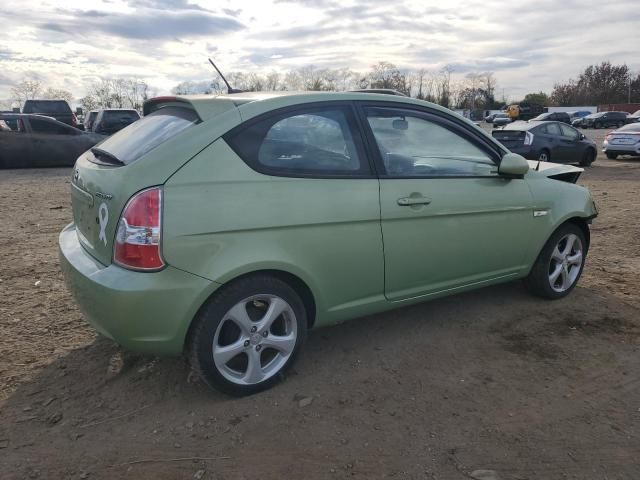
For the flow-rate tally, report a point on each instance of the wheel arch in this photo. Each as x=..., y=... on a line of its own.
x=583, y=224
x=294, y=281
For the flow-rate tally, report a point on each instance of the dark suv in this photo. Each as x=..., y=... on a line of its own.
x=58, y=109
x=553, y=117
x=110, y=121
x=604, y=120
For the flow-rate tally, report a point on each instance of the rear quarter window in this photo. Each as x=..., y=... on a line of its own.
x=314, y=142
x=141, y=137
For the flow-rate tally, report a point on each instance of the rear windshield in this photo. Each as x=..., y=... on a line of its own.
x=121, y=115
x=595, y=115
x=632, y=127
x=43, y=106
x=140, y=137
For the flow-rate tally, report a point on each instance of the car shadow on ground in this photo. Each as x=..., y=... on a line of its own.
x=492, y=378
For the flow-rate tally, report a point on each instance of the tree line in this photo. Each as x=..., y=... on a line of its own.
x=102, y=93
x=475, y=90
x=597, y=84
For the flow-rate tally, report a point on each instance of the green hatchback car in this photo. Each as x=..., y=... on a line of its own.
x=227, y=226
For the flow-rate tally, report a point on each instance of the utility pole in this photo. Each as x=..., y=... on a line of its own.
x=629, y=95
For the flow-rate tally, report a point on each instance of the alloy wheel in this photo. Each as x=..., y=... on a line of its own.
x=255, y=339
x=565, y=263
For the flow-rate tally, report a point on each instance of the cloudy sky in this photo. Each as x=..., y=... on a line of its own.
x=529, y=44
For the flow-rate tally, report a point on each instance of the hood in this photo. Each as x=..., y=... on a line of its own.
x=557, y=171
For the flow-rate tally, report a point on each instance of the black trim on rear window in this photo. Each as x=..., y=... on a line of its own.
x=139, y=138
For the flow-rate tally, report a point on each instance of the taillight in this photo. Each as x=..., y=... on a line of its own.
x=74, y=120
x=138, y=238
x=528, y=138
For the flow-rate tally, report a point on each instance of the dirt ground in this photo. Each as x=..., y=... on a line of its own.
x=494, y=379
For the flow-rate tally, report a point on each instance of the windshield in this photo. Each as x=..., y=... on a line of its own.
x=146, y=134
x=116, y=115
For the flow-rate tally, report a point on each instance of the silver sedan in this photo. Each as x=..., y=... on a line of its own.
x=623, y=141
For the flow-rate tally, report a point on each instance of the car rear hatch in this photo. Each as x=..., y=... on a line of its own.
x=510, y=138
x=144, y=154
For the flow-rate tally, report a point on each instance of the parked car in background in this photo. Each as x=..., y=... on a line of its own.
x=577, y=122
x=112, y=120
x=623, y=141
x=552, y=117
x=38, y=141
x=578, y=114
x=58, y=109
x=501, y=119
x=184, y=245
x=489, y=118
x=89, y=120
x=604, y=120
x=634, y=117
x=548, y=141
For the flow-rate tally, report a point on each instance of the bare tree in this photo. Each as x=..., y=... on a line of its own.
x=272, y=81
x=57, y=94
x=136, y=92
x=89, y=102
x=345, y=79
x=25, y=90
x=420, y=77
x=293, y=81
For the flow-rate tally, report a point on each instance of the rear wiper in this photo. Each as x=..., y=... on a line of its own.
x=106, y=157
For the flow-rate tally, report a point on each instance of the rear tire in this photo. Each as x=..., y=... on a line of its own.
x=588, y=158
x=247, y=335
x=612, y=156
x=559, y=265
x=545, y=156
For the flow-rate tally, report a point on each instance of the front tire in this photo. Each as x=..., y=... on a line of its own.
x=588, y=158
x=612, y=156
x=247, y=335
x=559, y=265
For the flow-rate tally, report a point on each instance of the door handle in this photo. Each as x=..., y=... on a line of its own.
x=409, y=201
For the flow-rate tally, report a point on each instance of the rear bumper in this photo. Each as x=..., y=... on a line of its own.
x=618, y=149
x=143, y=312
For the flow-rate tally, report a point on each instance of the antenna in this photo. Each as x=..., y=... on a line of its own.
x=229, y=88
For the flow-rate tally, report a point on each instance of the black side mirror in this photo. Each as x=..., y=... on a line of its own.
x=582, y=136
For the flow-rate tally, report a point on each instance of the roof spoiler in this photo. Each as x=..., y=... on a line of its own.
x=151, y=105
x=384, y=91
